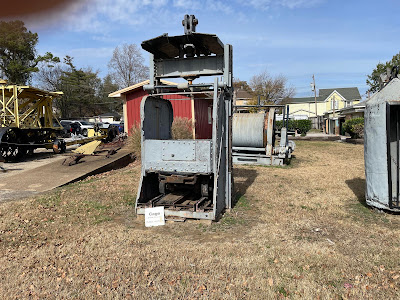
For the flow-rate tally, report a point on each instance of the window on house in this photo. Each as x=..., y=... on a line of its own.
x=334, y=102
x=210, y=114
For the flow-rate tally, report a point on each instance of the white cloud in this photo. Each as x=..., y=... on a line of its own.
x=96, y=16
x=291, y=4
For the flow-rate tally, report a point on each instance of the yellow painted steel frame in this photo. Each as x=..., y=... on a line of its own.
x=27, y=107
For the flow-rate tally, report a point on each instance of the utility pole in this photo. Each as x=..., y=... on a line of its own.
x=333, y=117
x=315, y=98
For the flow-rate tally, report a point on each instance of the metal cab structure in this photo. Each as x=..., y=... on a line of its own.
x=190, y=178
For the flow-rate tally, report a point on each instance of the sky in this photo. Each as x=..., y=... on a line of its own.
x=340, y=42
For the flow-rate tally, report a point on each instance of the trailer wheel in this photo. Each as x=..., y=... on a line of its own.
x=10, y=146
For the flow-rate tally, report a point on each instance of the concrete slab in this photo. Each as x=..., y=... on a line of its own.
x=54, y=174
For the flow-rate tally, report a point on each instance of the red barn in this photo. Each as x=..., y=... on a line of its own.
x=199, y=109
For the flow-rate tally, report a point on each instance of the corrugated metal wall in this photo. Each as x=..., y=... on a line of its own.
x=182, y=108
x=133, y=107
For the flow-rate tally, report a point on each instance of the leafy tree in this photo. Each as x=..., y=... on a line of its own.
x=373, y=78
x=271, y=89
x=127, y=66
x=18, y=56
x=241, y=84
x=109, y=104
x=81, y=88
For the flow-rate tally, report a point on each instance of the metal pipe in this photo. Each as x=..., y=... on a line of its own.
x=287, y=117
x=183, y=93
x=261, y=106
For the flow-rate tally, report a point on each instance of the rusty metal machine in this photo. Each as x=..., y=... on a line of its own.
x=27, y=121
x=189, y=178
x=382, y=146
x=253, y=136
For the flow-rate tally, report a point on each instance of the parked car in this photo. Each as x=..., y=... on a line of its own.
x=70, y=127
x=85, y=126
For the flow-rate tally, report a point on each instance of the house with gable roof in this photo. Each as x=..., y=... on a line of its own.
x=332, y=99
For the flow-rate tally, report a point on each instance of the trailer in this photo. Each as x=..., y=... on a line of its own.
x=28, y=122
x=189, y=178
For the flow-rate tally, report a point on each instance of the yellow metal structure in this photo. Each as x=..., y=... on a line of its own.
x=26, y=107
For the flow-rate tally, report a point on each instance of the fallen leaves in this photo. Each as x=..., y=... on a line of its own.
x=270, y=281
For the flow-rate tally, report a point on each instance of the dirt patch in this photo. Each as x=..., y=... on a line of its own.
x=300, y=232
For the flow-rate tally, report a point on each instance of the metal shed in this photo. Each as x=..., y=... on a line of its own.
x=381, y=145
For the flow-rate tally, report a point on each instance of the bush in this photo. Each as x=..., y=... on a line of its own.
x=134, y=141
x=358, y=129
x=354, y=127
x=302, y=126
x=182, y=129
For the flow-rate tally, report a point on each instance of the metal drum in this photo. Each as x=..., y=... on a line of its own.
x=249, y=130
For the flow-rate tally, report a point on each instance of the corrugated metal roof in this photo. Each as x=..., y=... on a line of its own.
x=118, y=93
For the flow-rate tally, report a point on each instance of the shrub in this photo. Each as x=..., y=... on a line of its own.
x=302, y=126
x=354, y=127
x=358, y=129
x=182, y=129
x=134, y=141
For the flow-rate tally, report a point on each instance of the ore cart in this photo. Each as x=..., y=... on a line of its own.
x=189, y=178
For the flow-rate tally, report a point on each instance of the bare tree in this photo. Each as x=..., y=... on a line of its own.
x=271, y=89
x=127, y=66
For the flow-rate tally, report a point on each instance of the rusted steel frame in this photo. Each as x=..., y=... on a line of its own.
x=199, y=202
x=178, y=179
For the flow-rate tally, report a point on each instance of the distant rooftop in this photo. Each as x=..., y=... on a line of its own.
x=349, y=94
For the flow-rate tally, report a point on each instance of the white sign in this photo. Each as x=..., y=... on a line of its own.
x=154, y=216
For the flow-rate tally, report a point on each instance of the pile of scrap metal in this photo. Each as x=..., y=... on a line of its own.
x=94, y=148
x=253, y=140
x=189, y=178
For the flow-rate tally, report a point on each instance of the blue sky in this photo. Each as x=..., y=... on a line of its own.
x=338, y=41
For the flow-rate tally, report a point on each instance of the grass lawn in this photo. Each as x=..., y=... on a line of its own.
x=298, y=232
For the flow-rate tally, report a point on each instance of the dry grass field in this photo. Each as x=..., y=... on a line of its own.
x=299, y=232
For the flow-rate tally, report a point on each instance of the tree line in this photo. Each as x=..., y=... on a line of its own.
x=85, y=93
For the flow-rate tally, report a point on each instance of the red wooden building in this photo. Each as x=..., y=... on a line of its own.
x=199, y=109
